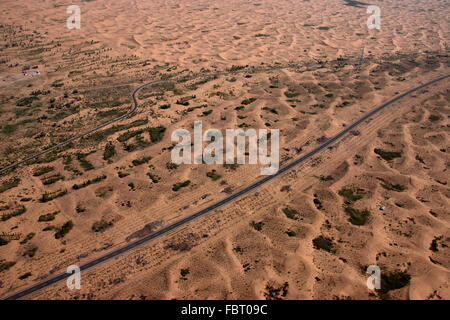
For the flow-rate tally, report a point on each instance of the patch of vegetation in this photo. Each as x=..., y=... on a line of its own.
x=9, y=184
x=26, y=101
x=109, y=152
x=213, y=175
x=21, y=209
x=48, y=216
x=357, y=217
x=318, y=203
x=389, y=186
x=6, y=265
x=184, y=273
x=257, y=225
x=122, y=174
x=387, y=155
x=419, y=158
x=393, y=281
x=291, y=233
x=30, y=252
x=179, y=185
x=85, y=164
x=248, y=101
x=171, y=165
x=64, y=230
x=49, y=196
x=28, y=237
x=89, y=182
x=324, y=243
x=42, y=170
x=140, y=161
x=273, y=293
x=290, y=213
x=101, y=226
x=434, y=118
x=3, y=241
x=153, y=177
x=434, y=244
x=352, y=194
x=52, y=179
x=326, y=178
x=25, y=275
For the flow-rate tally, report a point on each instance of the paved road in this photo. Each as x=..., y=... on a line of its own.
x=165, y=230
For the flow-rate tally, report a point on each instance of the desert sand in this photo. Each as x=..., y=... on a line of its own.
x=309, y=234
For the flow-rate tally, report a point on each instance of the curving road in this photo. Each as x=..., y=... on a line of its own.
x=165, y=230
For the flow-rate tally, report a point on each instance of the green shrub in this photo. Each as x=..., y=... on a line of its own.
x=179, y=185
x=42, y=170
x=48, y=216
x=101, y=226
x=213, y=175
x=6, y=265
x=387, y=155
x=290, y=213
x=89, y=182
x=49, y=196
x=324, y=243
x=138, y=162
x=25, y=275
x=64, y=230
x=257, y=225
x=357, y=217
x=9, y=184
x=350, y=194
x=109, y=152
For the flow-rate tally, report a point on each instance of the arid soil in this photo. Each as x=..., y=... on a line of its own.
x=378, y=197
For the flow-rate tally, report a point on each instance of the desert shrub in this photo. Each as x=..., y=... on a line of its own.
x=326, y=178
x=156, y=134
x=323, y=243
x=49, y=196
x=291, y=233
x=48, y=216
x=140, y=161
x=42, y=170
x=28, y=237
x=89, y=182
x=257, y=225
x=26, y=101
x=122, y=174
x=25, y=275
x=179, y=185
x=387, y=155
x=290, y=213
x=30, y=252
x=351, y=194
x=21, y=209
x=389, y=186
x=109, y=152
x=3, y=241
x=101, y=226
x=357, y=217
x=52, y=179
x=171, y=165
x=213, y=175
x=9, y=184
x=248, y=101
x=6, y=265
x=64, y=230
x=393, y=281
x=153, y=177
